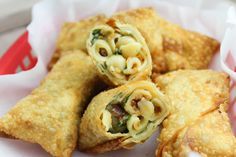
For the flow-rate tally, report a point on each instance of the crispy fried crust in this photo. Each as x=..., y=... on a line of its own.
x=93, y=136
x=73, y=36
x=50, y=115
x=106, y=146
x=210, y=136
x=193, y=94
x=172, y=47
x=2, y=134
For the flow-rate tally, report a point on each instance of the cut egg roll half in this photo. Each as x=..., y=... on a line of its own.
x=73, y=36
x=120, y=53
x=171, y=46
x=122, y=117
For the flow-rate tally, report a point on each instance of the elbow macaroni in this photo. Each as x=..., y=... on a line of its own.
x=97, y=46
x=118, y=41
x=133, y=65
x=142, y=108
x=131, y=49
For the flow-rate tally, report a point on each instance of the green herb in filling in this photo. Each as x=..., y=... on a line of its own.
x=118, y=96
x=124, y=101
x=96, y=34
x=118, y=51
x=104, y=66
x=119, y=117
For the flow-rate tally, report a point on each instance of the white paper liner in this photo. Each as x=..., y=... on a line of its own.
x=228, y=61
x=48, y=17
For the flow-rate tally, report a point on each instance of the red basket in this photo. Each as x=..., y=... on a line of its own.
x=18, y=57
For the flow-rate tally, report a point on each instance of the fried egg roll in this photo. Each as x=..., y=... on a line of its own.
x=194, y=95
x=122, y=117
x=50, y=115
x=73, y=36
x=120, y=53
x=209, y=136
x=172, y=47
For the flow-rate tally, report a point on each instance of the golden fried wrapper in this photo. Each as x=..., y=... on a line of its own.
x=171, y=46
x=120, y=53
x=193, y=94
x=50, y=115
x=73, y=36
x=122, y=117
x=210, y=136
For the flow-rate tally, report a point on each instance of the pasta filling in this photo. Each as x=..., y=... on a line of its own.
x=120, y=50
x=131, y=114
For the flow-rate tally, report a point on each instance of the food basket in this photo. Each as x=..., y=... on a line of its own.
x=21, y=57
x=18, y=57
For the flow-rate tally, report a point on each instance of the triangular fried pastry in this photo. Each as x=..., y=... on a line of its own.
x=50, y=115
x=211, y=135
x=199, y=101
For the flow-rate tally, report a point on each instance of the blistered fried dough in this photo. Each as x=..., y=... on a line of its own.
x=73, y=36
x=122, y=117
x=120, y=53
x=210, y=136
x=50, y=115
x=171, y=46
x=193, y=93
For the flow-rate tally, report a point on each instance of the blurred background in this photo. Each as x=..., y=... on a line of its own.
x=15, y=15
